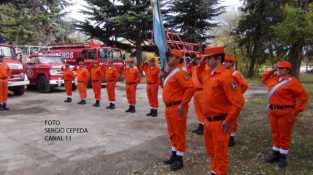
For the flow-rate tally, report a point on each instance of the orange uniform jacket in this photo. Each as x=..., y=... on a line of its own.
x=68, y=74
x=4, y=75
x=291, y=94
x=242, y=82
x=222, y=94
x=132, y=75
x=111, y=74
x=178, y=87
x=68, y=78
x=4, y=71
x=96, y=77
x=152, y=74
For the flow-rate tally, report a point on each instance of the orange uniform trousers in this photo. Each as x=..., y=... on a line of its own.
x=3, y=90
x=198, y=95
x=152, y=92
x=68, y=87
x=96, y=87
x=176, y=127
x=282, y=122
x=216, y=141
x=131, y=93
x=82, y=89
x=111, y=90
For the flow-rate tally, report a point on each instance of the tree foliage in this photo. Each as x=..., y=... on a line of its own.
x=31, y=21
x=193, y=18
x=109, y=20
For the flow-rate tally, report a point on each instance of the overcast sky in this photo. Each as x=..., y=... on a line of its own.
x=231, y=5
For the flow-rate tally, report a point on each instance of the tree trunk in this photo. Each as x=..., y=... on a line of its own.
x=252, y=62
x=296, y=56
x=139, y=52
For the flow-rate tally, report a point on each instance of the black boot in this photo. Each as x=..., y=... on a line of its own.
x=111, y=106
x=97, y=104
x=282, y=161
x=133, y=109
x=273, y=158
x=68, y=100
x=129, y=108
x=154, y=113
x=150, y=113
x=171, y=159
x=199, y=130
x=1, y=107
x=4, y=107
x=232, y=141
x=177, y=164
x=82, y=102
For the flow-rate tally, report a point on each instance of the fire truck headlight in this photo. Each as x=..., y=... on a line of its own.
x=53, y=72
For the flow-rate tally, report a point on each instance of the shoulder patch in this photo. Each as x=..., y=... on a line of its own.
x=234, y=85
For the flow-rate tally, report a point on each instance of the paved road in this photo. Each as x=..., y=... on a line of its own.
x=26, y=147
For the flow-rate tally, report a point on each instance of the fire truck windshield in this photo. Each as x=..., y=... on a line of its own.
x=105, y=54
x=50, y=60
x=7, y=52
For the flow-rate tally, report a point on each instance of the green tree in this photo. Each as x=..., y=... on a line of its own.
x=193, y=18
x=32, y=21
x=295, y=33
x=109, y=20
x=255, y=30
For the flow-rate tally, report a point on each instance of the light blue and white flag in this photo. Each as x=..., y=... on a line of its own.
x=159, y=32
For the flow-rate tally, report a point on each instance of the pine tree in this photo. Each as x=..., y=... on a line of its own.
x=129, y=19
x=193, y=18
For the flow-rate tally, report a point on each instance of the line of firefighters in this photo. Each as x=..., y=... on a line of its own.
x=217, y=89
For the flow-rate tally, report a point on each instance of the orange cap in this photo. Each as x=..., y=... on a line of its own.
x=176, y=53
x=229, y=58
x=210, y=51
x=284, y=64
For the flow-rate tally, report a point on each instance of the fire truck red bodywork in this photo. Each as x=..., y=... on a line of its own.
x=89, y=52
x=18, y=79
x=45, y=71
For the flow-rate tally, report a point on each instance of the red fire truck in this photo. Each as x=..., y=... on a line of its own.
x=18, y=79
x=89, y=52
x=44, y=70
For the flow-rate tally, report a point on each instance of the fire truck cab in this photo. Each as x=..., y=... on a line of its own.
x=18, y=79
x=44, y=70
x=89, y=52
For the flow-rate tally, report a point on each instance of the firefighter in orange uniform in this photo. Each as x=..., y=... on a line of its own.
x=221, y=103
x=132, y=79
x=152, y=72
x=177, y=92
x=82, y=81
x=96, y=78
x=197, y=72
x=111, y=77
x=68, y=80
x=229, y=62
x=287, y=98
x=4, y=75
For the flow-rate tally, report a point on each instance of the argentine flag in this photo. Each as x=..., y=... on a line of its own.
x=158, y=32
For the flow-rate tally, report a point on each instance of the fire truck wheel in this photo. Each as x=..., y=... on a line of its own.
x=43, y=85
x=19, y=90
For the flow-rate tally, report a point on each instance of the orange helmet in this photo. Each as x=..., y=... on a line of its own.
x=284, y=65
x=211, y=51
